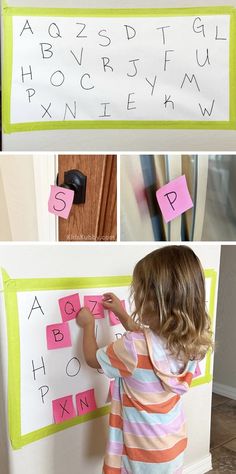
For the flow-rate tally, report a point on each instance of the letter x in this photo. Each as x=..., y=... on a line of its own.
x=64, y=409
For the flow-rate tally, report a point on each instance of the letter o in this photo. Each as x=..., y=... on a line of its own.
x=58, y=80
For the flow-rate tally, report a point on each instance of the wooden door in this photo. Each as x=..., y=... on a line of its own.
x=96, y=219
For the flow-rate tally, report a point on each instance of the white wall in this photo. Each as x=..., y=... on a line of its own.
x=81, y=448
x=18, y=214
x=25, y=181
x=225, y=354
x=126, y=140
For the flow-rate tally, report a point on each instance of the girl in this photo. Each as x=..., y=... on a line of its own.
x=154, y=362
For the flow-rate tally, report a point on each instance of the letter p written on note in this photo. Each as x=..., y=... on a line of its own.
x=174, y=198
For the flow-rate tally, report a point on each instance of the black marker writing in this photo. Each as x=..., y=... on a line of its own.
x=129, y=102
x=168, y=101
x=41, y=367
x=83, y=403
x=205, y=111
x=36, y=305
x=163, y=28
x=57, y=78
x=165, y=59
x=53, y=31
x=46, y=50
x=73, y=112
x=206, y=61
x=173, y=200
x=186, y=76
x=108, y=42
x=46, y=110
x=58, y=335
x=27, y=27
x=73, y=367
x=79, y=61
x=152, y=84
x=31, y=93
x=64, y=408
x=218, y=37
x=135, y=67
x=130, y=32
x=81, y=31
x=23, y=74
x=200, y=28
x=82, y=80
x=61, y=200
x=106, y=64
x=105, y=114
x=44, y=389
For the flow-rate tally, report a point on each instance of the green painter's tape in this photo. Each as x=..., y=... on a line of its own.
x=10, y=288
x=207, y=377
x=9, y=12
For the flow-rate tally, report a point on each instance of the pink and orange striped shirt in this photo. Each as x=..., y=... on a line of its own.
x=147, y=430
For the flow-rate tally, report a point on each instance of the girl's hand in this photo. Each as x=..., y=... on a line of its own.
x=113, y=303
x=84, y=317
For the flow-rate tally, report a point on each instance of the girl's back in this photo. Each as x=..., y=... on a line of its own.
x=147, y=430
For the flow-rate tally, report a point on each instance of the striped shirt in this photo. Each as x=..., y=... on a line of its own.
x=146, y=425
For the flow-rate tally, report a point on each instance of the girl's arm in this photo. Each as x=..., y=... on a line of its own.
x=85, y=320
x=112, y=303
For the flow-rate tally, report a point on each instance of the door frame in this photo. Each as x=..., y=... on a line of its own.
x=45, y=172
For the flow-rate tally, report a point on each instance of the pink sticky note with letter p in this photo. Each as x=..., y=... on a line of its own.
x=60, y=201
x=85, y=402
x=174, y=198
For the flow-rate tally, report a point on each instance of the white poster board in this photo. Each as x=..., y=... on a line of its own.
x=118, y=69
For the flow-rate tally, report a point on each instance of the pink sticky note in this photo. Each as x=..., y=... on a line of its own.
x=60, y=201
x=197, y=372
x=85, y=402
x=95, y=306
x=69, y=306
x=63, y=409
x=174, y=198
x=113, y=318
x=58, y=336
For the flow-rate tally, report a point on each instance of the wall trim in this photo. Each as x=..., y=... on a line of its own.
x=199, y=467
x=44, y=176
x=224, y=390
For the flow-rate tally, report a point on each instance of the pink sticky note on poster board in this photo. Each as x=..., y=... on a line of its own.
x=174, y=198
x=113, y=318
x=85, y=402
x=60, y=201
x=63, y=409
x=58, y=336
x=95, y=306
x=197, y=372
x=69, y=306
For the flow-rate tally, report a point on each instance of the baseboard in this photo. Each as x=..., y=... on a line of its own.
x=224, y=390
x=200, y=467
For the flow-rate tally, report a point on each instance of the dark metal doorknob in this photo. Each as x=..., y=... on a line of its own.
x=76, y=181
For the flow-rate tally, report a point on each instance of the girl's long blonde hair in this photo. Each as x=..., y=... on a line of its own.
x=168, y=290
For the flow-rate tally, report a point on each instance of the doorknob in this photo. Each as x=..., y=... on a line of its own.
x=76, y=181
